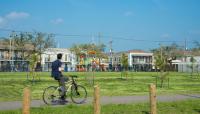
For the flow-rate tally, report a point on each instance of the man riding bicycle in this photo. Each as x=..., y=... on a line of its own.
x=56, y=73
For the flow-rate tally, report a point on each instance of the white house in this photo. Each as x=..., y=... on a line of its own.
x=50, y=55
x=140, y=60
x=184, y=66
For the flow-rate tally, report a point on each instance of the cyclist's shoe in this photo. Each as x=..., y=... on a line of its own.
x=63, y=102
x=54, y=102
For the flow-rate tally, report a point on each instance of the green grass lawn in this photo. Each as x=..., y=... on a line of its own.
x=181, y=107
x=111, y=84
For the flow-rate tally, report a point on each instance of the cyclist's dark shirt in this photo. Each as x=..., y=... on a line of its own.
x=55, y=69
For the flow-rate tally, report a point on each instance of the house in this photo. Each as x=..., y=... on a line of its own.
x=140, y=60
x=182, y=61
x=114, y=61
x=50, y=55
x=11, y=59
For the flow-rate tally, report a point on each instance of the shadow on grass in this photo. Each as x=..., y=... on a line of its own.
x=145, y=112
x=197, y=110
x=122, y=79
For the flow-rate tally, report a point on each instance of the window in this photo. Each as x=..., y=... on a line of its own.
x=1, y=55
x=70, y=58
x=46, y=58
x=141, y=60
x=66, y=57
x=110, y=59
x=115, y=59
x=49, y=58
x=136, y=59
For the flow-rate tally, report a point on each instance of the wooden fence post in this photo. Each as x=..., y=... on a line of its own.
x=96, y=104
x=26, y=101
x=152, y=96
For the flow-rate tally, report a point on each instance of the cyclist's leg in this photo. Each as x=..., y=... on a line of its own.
x=63, y=89
x=66, y=78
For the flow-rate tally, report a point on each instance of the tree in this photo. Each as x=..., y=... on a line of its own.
x=29, y=43
x=5, y=42
x=196, y=49
x=161, y=62
x=77, y=50
x=22, y=43
x=33, y=59
x=40, y=42
x=124, y=62
x=160, y=59
x=169, y=53
x=193, y=66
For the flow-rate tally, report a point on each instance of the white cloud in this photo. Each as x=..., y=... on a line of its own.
x=2, y=21
x=128, y=13
x=8, y=18
x=17, y=15
x=57, y=21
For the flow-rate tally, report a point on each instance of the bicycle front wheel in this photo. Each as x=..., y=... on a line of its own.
x=78, y=94
x=51, y=95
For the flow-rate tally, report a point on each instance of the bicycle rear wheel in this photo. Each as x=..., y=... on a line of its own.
x=51, y=95
x=78, y=94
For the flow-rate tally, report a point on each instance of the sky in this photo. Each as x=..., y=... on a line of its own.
x=129, y=24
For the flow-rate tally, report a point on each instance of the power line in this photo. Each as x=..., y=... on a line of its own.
x=125, y=38
x=105, y=36
x=56, y=34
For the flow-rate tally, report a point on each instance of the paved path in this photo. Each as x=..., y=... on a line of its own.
x=107, y=100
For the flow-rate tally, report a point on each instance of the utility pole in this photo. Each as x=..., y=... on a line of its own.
x=99, y=36
x=99, y=44
x=185, y=49
x=111, y=52
x=93, y=40
x=161, y=54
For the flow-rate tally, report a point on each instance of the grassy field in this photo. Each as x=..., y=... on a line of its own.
x=181, y=107
x=111, y=84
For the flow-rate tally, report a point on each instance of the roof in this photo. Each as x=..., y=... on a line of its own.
x=56, y=50
x=136, y=51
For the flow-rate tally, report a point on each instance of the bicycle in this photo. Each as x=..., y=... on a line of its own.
x=78, y=92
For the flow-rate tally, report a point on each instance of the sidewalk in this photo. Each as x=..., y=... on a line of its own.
x=106, y=100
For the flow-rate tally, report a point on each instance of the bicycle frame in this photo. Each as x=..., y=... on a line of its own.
x=68, y=85
x=72, y=89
